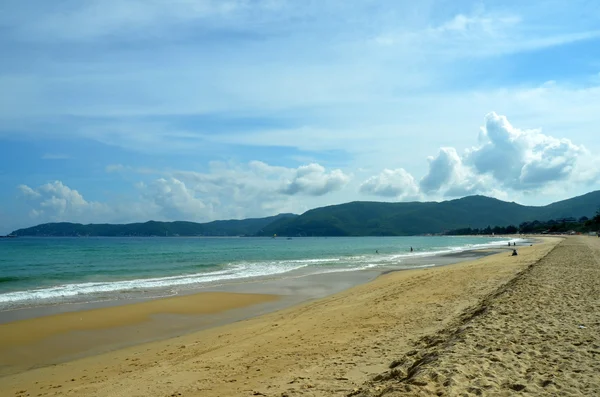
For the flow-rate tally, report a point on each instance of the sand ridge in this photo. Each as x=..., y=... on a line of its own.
x=327, y=347
x=537, y=335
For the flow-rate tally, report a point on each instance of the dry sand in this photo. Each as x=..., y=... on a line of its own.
x=537, y=335
x=334, y=345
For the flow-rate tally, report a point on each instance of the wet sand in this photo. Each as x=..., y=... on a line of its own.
x=51, y=334
x=61, y=337
x=330, y=346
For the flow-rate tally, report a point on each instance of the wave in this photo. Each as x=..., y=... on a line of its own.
x=9, y=279
x=230, y=271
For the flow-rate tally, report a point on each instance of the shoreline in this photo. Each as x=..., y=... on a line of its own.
x=72, y=340
x=62, y=337
x=334, y=343
x=28, y=309
x=84, y=287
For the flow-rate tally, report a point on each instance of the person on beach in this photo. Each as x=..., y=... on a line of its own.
x=411, y=249
x=514, y=253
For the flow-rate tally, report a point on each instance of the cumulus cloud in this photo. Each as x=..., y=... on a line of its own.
x=391, y=183
x=449, y=175
x=443, y=169
x=313, y=180
x=227, y=190
x=57, y=202
x=522, y=159
x=174, y=200
x=28, y=192
x=161, y=199
x=506, y=158
x=259, y=189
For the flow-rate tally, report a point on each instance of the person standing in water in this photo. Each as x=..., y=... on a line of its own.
x=411, y=249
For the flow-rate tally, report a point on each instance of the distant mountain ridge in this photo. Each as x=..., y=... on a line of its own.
x=362, y=218
x=358, y=218
x=243, y=227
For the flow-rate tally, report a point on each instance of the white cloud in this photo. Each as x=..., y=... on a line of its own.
x=227, y=190
x=208, y=93
x=162, y=199
x=28, y=192
x=507, y=158
x=174, y=200
x=443, y=169
x=57, y=202
x=313, y=180
x=95, y=19
x=522, y=159
x=481, y=35
x=449, y=176
x=260, y=189
x=114, y=168
x=391, y=183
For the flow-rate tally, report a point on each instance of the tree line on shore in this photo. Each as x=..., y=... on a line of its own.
x=565, y=225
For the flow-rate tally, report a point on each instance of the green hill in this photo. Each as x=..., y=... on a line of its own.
x=396, y=219
x=152, y=228
x=359, y=218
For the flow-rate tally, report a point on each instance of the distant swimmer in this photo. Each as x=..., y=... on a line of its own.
x=376, y=251
x=411, y=249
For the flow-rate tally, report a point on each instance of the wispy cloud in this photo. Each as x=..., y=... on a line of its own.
x=95, y=19
x=481, y=36
x=225, y=101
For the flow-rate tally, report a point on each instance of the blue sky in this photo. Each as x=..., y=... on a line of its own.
x=129, y=110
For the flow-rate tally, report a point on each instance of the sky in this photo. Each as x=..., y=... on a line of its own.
x=116, y=111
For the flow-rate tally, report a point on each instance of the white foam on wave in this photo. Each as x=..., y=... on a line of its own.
x=234, y=271
x=456, y=249
x=348, y=269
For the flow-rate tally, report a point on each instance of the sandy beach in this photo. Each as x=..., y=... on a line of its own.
x=62, y=337
x=344, y=344
x=536, y=335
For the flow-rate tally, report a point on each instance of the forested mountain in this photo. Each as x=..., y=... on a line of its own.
x=152, y=228
x=396, y=219
x=359, y=218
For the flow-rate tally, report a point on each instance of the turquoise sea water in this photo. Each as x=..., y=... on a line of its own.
x=36, y=271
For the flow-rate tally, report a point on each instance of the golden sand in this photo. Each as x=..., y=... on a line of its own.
x=35, y=329
x=537, y=335
x=333, y=346
x=39, y=341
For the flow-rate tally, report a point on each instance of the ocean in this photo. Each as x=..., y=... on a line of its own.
x=48, y=270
